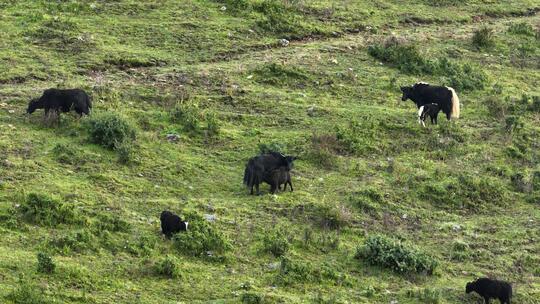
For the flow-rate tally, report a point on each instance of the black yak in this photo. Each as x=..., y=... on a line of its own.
x=422, y=93
x=259, y=168
x=491, y=289
x=278, y=177
x=58, y=100
x=431, y=109
x=172, y=223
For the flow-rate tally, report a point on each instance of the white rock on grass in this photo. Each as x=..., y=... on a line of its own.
x=284, y=42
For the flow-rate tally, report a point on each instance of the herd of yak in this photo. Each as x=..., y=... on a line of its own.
x=274, y=168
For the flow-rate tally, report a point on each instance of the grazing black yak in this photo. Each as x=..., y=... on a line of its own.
x=62, y=101
x=491, y=289
x=278, y=177
x=431, y=109
x=171, y=223
x=260, y=167
x=422, y=93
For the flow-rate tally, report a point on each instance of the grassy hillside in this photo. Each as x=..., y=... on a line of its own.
x=458, y=201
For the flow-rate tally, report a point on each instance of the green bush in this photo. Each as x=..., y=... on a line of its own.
x=68, y=154
x=125, y=152
x=281, y=75
x=270, y=147
x=112, y=223
x=522, y=28
x=460, y=251
x=322, y=150
x=252, y=298
x=27, y=293
x=408, y=59
x=427, y=295
x=368, y=200
x=278, y=18
x=74, y=241
x=276, y=242
x=168, y=267
x=201, y=238
x=188, y=116
x=45, y=263
x=110, y=130
x=382, y=251
x=483, y=38
x=294, y=271
x=213, y=125
x=42, y=210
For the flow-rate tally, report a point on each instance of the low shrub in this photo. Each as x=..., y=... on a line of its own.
x=168, y=267
x=110, y=130
x=27, y=293
x=43, y=210
x=270, y=147
x=276, y=242
x=112, y=223
x=75, y=241
x=322, y=150
x=213, y=125
x=409, y=59
x=382, y=251
x=281, y=75
x=294, y=271
x=427, y=295
x=278, y=18
x=521, y=28
x=202, y=238
x=45, y=263
x=125, y=152
x=68, y=154
x=188, y=116
x=368, y=200
x=483, y=38
x=252, y=298
x=460, y=251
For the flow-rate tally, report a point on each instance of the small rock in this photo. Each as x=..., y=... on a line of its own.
x=11, y=111
x=250, y=76
x=223, y=8
x=273, y=266
x=311, y=111
x=284, y=42
x=321, y=179
x=173, y=137
x=404, y=216
x=394, y=302
x=210, y=217
x=210, y=253
x=456, y=227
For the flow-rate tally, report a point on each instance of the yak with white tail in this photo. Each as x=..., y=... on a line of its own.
x=425, y=94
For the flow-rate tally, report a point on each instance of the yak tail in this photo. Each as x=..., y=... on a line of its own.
x=454, y=113
x=248, y=174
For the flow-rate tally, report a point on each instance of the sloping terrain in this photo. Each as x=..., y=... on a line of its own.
x=214, y=75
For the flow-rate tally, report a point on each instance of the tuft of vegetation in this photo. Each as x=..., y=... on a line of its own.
x=281, y=75
x=276, y=242
x=43, y=210
x=110, y=130
x=483, y=38
x=271, y=147
x=168, y=267
x=213, y=125
x=77, y=241
x=27, y=293
x=68, y=154
x=382, y=251
x=408, y=59
x=188, y=116
x=202, y=238
x=521, y=28
x=45, y=263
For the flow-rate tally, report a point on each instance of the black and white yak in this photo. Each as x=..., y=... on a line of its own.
x=172, y=223
x=423, y=93
x=58, y=100
x=432, y=110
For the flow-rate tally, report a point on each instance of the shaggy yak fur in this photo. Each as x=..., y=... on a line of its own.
x=278, y=177
x=57, y=100
x=172, y=223
x=263, y=168
x=491, y=289
x=422, y=93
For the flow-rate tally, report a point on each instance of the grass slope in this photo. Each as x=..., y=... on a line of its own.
x=466, y=193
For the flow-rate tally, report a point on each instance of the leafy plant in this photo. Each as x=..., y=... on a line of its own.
x=202, y=238
x=483, y=38
x=276, y=242
x=43, y=210
x=168, y=267
x=382, y=251
x=110, y=130
x=45, y=263
x=188, y=116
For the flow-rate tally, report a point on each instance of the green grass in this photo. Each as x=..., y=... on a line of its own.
x=464, y=193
